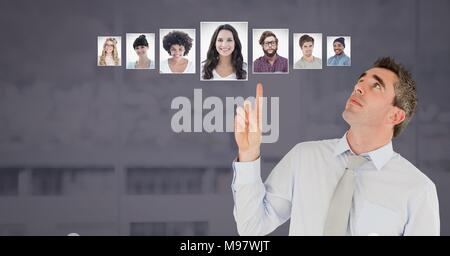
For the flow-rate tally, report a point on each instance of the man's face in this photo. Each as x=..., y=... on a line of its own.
x=307, y=49
x=270, y=46
x=338, y=48
x=371, y=102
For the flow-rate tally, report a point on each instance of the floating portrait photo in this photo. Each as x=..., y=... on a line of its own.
x=270, y=51
x=177, y=51
x=224, y=51
x=109, y=51
x=338, y=51
x=307, y=49
x=140, y=49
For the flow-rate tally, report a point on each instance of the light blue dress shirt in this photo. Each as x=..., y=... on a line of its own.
x=391, y=197
x=339, y=60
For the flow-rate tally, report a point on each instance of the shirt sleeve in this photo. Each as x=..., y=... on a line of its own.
x=423, y=213
x=259, y=208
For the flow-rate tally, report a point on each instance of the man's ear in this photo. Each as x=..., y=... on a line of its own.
x=397, y=116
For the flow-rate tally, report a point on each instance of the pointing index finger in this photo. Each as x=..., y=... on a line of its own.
x=259, y=100
x=259, y=90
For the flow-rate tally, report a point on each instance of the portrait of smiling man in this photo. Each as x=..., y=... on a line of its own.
x=271, y=62
x=354, y=185
x=308, y=60
x=339, y=58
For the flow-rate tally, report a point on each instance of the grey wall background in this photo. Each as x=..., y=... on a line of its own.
x=90, y=150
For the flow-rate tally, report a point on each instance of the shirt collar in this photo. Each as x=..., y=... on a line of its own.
x=340, y=56
x=379, y=156
x=303, y=58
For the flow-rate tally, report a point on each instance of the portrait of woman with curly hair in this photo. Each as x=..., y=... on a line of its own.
x=178, y=44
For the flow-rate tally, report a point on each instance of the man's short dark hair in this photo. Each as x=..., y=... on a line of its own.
x=266, y=34
x=405, y=90
x=177, y=37
x=304, y=39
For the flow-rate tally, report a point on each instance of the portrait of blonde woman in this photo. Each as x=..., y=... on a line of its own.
x=109, y=55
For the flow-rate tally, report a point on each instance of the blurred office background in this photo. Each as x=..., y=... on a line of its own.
x=90, y=149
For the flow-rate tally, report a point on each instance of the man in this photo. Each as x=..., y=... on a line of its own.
x=355, y=185
x=340, y=58
x=307, y=61
x=271, y=62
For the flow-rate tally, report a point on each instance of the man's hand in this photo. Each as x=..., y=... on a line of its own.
x=248, y=126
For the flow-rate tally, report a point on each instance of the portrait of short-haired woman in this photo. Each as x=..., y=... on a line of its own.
x=141, y=46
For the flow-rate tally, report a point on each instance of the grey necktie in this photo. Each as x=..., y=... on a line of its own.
x=337, y=220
